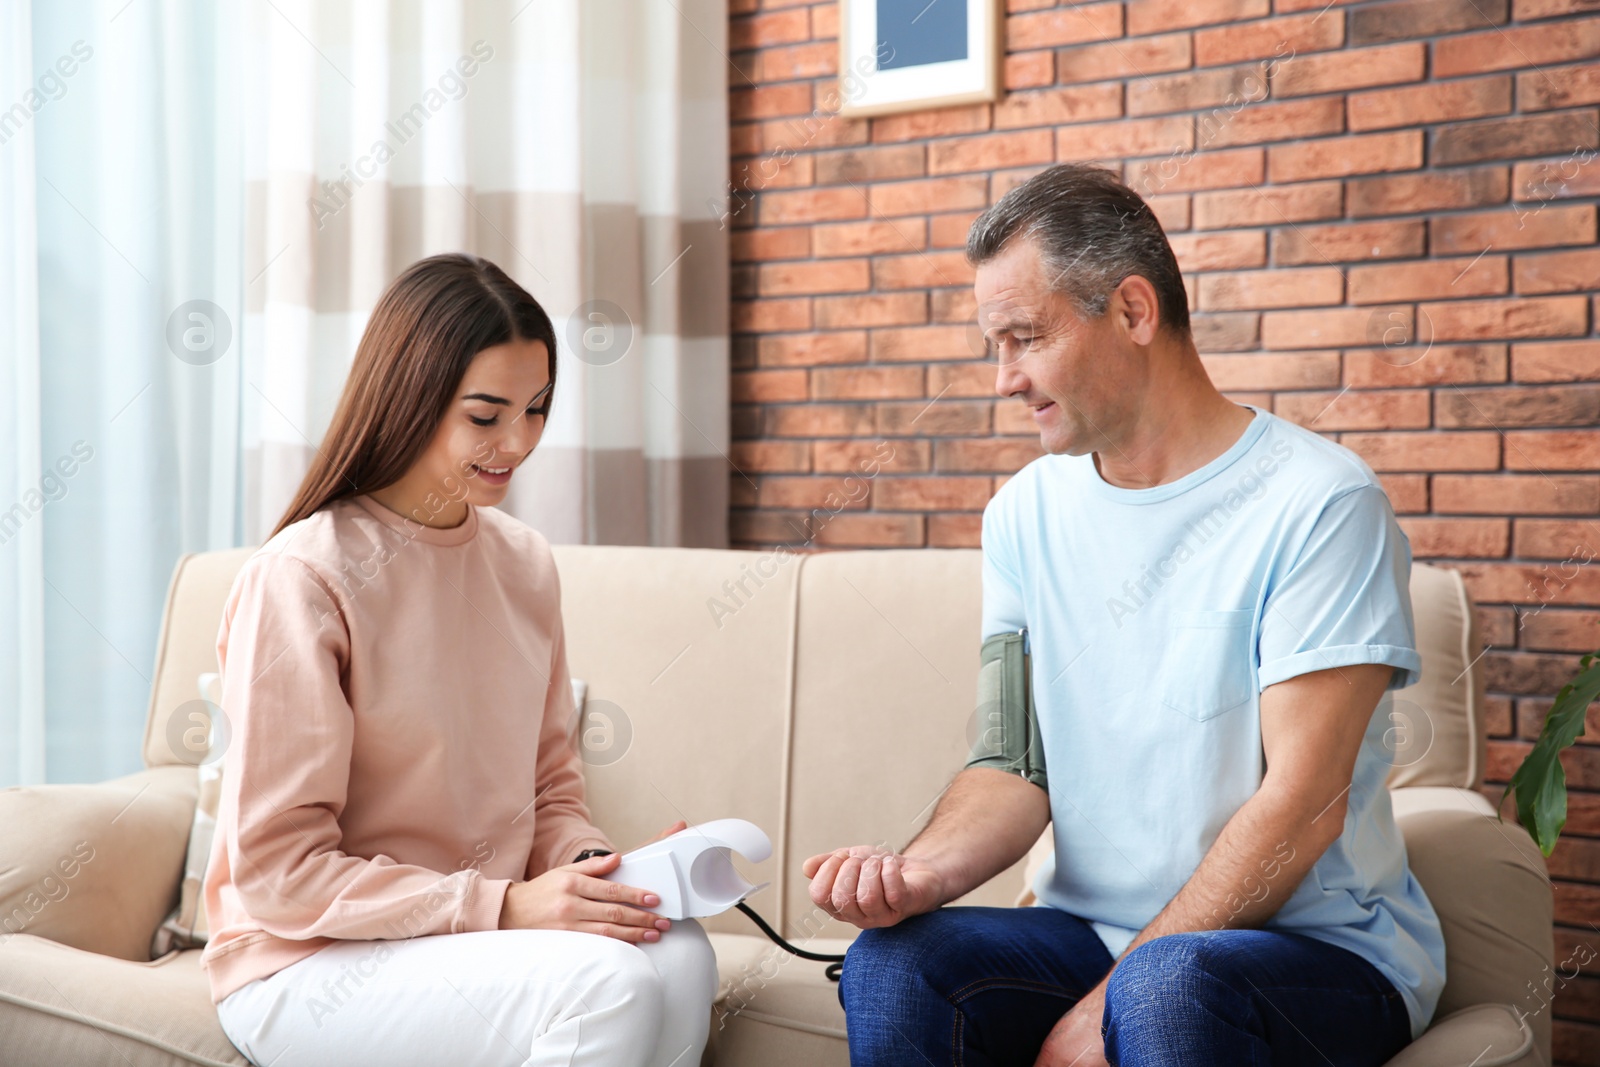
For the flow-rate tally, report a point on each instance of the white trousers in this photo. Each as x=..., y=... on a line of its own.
x=518, y=998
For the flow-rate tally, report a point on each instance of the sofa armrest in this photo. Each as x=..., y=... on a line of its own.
x=96, y=867
x=1489, y=885
x=1489, y=1035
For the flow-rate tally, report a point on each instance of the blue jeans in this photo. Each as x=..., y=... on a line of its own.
x=984, y=986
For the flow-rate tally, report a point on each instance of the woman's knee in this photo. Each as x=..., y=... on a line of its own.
x=684, y=956
x=619, y=981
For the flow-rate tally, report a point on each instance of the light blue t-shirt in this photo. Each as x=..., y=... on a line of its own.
x=1155, y=617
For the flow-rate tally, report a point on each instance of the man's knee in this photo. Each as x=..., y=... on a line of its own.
x=892, y=984
x=1161, y=976
x=884, y=965
x=914, y=959
x=871, y=955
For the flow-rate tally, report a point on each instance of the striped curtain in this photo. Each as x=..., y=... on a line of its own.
x=579, y=144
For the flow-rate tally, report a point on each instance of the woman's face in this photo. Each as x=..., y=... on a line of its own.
x=490, y=427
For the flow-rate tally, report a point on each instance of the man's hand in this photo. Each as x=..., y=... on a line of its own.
x=984, y=823
x=868, y=887
x=1075, y=1041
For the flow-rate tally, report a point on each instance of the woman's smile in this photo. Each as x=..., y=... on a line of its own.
x=493, y=475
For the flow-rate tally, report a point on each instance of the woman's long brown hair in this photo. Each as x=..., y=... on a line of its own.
x=427, y=327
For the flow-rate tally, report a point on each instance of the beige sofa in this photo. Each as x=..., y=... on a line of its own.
x=828, y=699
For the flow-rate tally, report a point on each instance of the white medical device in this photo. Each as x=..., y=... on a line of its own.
x=692, y=871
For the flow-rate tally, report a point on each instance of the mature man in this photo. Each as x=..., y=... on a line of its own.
x=1213, y=601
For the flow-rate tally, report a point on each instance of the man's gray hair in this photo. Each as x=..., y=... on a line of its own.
x=1092, y=232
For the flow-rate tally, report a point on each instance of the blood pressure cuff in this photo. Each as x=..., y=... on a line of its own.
x=1007, y=724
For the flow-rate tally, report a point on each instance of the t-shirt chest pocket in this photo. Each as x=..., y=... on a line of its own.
x=1208, y=667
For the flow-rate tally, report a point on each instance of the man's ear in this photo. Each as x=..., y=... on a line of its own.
x=1138, y=309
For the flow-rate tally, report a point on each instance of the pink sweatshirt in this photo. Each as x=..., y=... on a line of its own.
x=401, y=747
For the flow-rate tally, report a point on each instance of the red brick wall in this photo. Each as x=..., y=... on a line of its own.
x=1386, y=216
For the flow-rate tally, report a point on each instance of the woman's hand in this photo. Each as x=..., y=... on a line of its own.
x=577, y=897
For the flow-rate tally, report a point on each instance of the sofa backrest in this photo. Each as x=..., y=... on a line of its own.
x=883, y=708
x=187, y=647
x=1444, y=710
x=826, y=697
x=694, y=697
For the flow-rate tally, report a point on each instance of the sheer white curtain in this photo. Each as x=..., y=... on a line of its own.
x=119, y=220
x=21, y=541
x=199, y=205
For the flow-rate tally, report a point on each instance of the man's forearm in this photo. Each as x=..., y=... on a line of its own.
x=985, y=822
x=1257, y=861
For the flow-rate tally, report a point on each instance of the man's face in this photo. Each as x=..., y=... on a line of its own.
x=1075, y=373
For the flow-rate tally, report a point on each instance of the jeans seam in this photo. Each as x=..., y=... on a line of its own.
x=985, y=984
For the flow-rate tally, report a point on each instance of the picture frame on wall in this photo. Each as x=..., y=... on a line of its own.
x=914, y=55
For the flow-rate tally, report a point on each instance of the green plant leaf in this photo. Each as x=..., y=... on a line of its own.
x=1540, y=783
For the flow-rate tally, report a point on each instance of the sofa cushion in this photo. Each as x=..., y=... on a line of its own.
x=62, y=1005
x=775, y=1009
x=689, y=648
x=94, y=866
x=1438, y=727
x=886, y=683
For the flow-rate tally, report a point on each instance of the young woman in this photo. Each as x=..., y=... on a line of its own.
x=404, y=869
